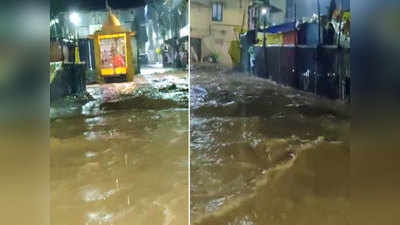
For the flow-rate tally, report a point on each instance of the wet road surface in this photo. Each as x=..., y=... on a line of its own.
x=121, y=158
x=265, y=155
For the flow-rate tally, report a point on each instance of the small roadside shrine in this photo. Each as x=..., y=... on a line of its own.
x=113, y=50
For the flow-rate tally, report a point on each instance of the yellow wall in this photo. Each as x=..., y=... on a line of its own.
x=217, y=35
x=200, y=19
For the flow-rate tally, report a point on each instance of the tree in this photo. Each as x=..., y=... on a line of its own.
x=331, y=9
x=168, y=15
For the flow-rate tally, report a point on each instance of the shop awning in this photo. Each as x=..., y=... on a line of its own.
x=282, y=28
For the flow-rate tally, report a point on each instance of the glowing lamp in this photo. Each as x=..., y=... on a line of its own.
x=75, y=18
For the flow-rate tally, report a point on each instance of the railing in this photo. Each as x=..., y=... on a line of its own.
x=323, y=70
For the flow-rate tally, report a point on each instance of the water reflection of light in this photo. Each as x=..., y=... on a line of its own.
x=90, y=135
x=91, y=107
x=99, y=217
x=93, y=135
x=90, y=154
x=107, y=190
x=246, y=221
x=153, y=69
x=95, y=194
x=214, y=204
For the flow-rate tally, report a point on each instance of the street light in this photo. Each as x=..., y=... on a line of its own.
x=75, y=19
x=264, y=11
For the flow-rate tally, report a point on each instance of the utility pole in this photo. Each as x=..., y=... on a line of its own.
x=319, y=22
x=341, y=81
x=295, y=10
x=295, y=19
x=318, y=48
x=294, y=69
x=340, y=24
x=264, y=30
x=264, y=14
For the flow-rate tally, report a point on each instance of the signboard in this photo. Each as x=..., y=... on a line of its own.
x=346, y=16
x=271, y=38
x=113, y=54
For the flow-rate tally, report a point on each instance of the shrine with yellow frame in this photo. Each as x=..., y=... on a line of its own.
x=112, y=28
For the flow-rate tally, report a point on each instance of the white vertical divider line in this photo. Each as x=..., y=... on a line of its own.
x=189, y=83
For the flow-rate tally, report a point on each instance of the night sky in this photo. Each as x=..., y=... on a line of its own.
x=305, y=8
x=63, y=5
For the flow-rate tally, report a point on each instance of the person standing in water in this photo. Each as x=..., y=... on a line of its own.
x=252, y=55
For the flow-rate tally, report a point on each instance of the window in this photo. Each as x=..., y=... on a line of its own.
x=217, y=11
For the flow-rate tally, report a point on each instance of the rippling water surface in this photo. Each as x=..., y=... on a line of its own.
x=122, y=158
x=264, y=155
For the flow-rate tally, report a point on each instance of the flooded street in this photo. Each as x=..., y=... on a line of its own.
x=121, y=157
x=262, y=154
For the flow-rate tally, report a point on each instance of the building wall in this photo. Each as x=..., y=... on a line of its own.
x=216, y=36
x=279, y=17
x=200, y=19
x=92, y=21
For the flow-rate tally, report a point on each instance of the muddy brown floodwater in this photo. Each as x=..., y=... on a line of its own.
x=262, y=154
x=121, y=158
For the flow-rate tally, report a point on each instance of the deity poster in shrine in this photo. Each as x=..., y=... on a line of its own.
x=113, y=54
